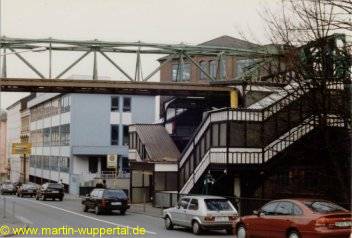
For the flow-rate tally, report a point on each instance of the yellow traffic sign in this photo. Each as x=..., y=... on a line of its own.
x=21, y=148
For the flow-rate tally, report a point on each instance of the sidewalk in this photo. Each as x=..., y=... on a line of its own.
x=148, y=210
x=8, y=223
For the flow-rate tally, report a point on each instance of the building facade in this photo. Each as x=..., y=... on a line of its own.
x=72, y=134
x=14, y=136
x=3, y=158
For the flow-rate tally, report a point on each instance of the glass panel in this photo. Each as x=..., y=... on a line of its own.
x=223, y=134
x=205, y=66
x=126, y=104
x=215, y=134
x=114, y=104
x=114, y=134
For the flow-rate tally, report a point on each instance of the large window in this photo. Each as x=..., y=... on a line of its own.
x=114, y=134
x=65, y=134
x=126, y=104
x=115, y=104
x=177, y=75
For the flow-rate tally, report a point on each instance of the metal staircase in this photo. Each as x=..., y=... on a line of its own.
x=263, y=114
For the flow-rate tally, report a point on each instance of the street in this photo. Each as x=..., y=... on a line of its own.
x=50, y=214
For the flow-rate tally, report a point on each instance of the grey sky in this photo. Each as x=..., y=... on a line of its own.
x=167, y=21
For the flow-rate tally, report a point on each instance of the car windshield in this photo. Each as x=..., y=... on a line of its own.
x=55, y=185
x=218, y=205
x=28, y=186
x=8, y=186
x=324, y=207
x=115, y=194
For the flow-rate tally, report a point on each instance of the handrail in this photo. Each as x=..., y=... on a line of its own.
x=209, y=113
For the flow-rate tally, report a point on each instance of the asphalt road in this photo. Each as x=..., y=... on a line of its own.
x=69, y=213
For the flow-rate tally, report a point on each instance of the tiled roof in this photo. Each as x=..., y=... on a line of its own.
x=158, y=143
x=228, y=41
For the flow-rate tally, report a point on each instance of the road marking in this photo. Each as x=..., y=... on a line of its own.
x=85, y=216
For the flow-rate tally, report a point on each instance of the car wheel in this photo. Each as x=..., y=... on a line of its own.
x=293, y=234
x=97, y=210
x=168, y=223
x=196, y=228
x=123, y=212
x=85, y=208
x=241, y=232
x=61, y=198
x=44, y=198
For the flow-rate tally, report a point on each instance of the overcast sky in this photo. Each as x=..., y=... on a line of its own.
x=164, y=21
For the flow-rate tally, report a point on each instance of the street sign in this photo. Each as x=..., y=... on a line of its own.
x=21, y=148
x=111, y=161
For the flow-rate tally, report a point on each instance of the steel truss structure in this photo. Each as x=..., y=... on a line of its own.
x=95, y=47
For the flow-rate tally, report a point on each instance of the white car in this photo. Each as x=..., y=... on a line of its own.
x=201, y=213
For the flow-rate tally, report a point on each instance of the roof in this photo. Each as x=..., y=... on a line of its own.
x=158, y=143
x=226, y=41
x=229, y=41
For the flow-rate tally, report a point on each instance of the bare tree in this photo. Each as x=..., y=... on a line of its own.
x=318, y=60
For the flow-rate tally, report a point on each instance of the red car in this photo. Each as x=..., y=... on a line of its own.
x=296, y=218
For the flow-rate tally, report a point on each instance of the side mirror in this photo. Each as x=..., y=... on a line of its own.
x=257, y=213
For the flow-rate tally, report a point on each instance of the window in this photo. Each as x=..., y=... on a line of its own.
x=212, y=68
x=46, y=136
x=284, y=208
x=126, y=104
x=222, y=69
x=114, y=134
x=243, y=65
x=297, y=210
x=193, y=205
x=204, y=66
x=218, y=205
x=184, y=203
x=55, y=136
x=92, y=165
x=53, y=163
x=125, y=135
x=65, y=103
x=176, y=72
x=324, y=207
x=215, y=135
x=114, y=104
x=64, y=164
x=269, y=209
x=65, y=134
x=45, y=162
x=223, y=134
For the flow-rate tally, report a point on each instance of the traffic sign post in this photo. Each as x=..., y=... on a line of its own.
x=25, y=150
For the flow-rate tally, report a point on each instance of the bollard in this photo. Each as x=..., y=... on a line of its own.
x=13, y=211
x=4, y=208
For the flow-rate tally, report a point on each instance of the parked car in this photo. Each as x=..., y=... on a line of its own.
x=50, y=190
x=106, y=200
x=296, y=218
x=201, y=213
x=27, y=189
x=8, y=188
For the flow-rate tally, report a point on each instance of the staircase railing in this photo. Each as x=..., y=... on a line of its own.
x=236, y=156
